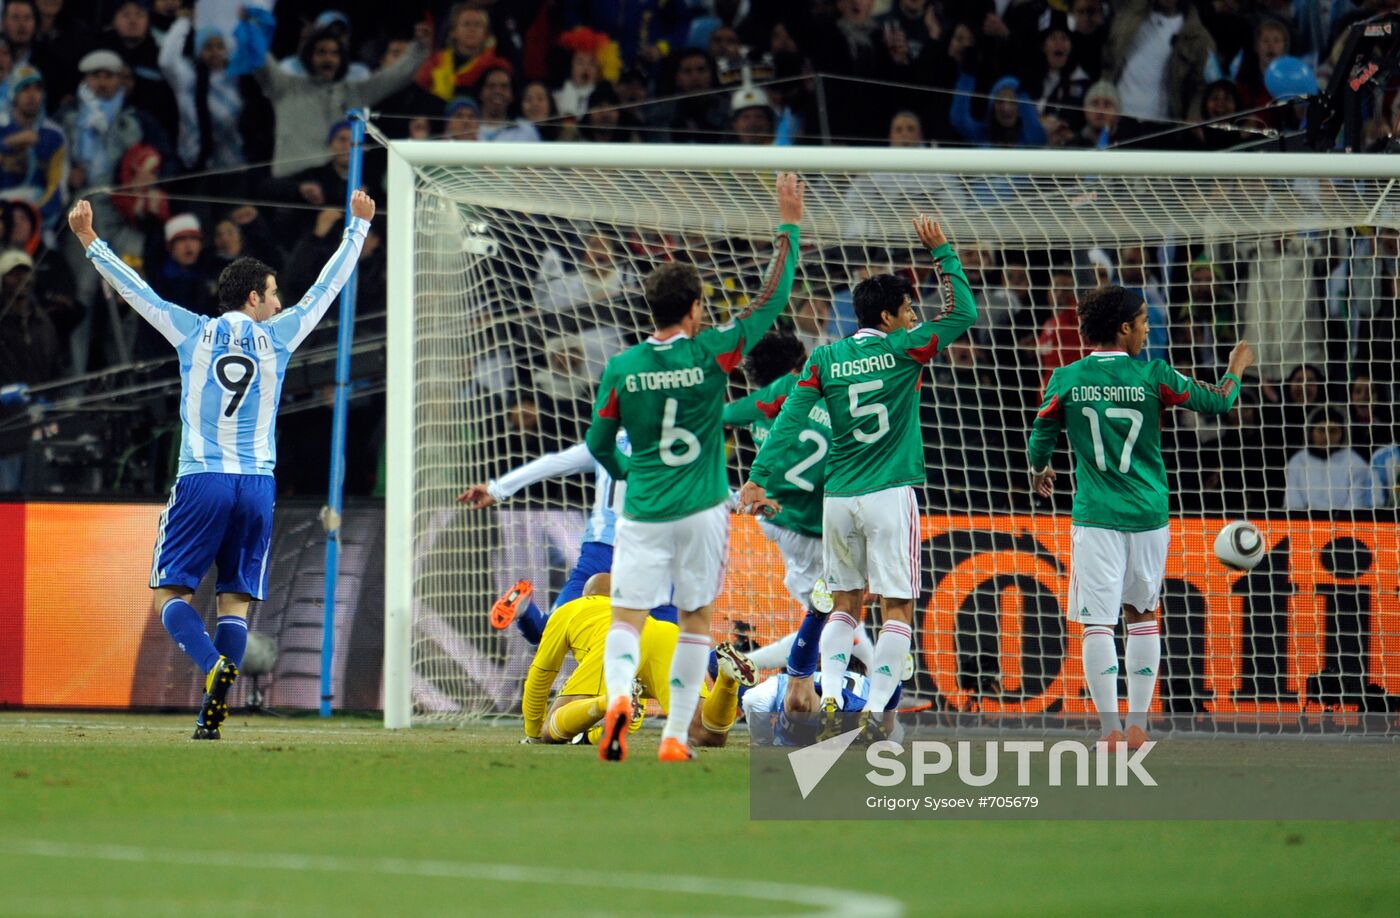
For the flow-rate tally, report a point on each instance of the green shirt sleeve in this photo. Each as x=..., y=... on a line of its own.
x=602, y=433
x=728, y=343
x=1176, y=388
x=743, y=411
x=957, y=309
x=800, y=400
x=1045, y=429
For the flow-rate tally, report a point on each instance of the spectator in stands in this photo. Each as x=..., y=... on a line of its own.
x=1328, y=475
x=966, y=462
x=1157, y=54
x=1240, y=471
x=646, y=30
x=185, y=275
x=916, y=22
x=811, y=316
x=58, y=43
x=587, y=49
x=906, y=130
x=752, y=117
x=1059, y=343
x=208, y=98
x=307, y=106
x=130, y=37
x=1104, y=125
x=700, y=115
x=942, y=66
x=319, y=186
x=537, y=107
x=337, y=25
x=605, y=122
x=856, y=46
x=497, y=102
x=724, y=48
x=1053, y=79
x=412, y=111
x=7, y=66
x=1088, y=35
x=1011, y=119
x=1271, y=42
x=1218, y=101
x=31, y=346
x=463, y=119
x=469, y=53
x=19, y=24
x=576, y=286
x=1229, y=25
x=1135, y=274
x=1285, y=331
x=33, y=151
x=1371, y=409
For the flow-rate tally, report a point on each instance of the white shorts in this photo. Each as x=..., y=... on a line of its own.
x=872, y=539
x=802, y=560
x=1109, y=569
x=687, y=555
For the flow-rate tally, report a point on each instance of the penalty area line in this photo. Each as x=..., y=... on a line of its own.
x=824, y=901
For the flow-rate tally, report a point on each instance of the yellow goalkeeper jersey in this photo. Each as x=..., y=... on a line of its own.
x=580, y=627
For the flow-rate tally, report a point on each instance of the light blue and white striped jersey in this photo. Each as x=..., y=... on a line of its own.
x=231, y=367
x=608, y=493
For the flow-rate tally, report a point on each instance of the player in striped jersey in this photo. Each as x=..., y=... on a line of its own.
x=595, y=554
x=220, y=508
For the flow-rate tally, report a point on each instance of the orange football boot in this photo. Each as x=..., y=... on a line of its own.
x=612, y=745
x=505, y=609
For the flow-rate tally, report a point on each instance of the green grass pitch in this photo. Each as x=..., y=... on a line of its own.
x=124, y=815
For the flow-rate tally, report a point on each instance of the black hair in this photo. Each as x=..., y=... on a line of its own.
x=670, y=291
x=775, y=354
x=242, y=277
x=1105, y=311
x=879, y=294
x=308, y=49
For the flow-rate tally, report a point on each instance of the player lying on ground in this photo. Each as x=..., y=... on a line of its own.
x=673, y=537
x=220, y=508
x=870, y=516
x=595, y=554
x=580, y=627
x=1111, y=405
x=773, y=708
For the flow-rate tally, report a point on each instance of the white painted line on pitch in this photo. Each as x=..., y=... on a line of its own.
x=824, y=901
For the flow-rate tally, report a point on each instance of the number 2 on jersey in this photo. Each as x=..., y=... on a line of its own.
x=794, y=474
x=238, y=386
x=1134, y=418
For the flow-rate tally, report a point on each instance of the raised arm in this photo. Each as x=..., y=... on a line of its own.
x=957, y=309
x=760, y=405
x=1178, y=389
x=572, y=461
x=602, y=433
x=1045, y=433
x=391, y=79
x=291, y=326
x=732, y=340
x=174, y=322
x=178, y=70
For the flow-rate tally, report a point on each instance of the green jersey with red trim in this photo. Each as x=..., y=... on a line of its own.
x=1111, y=405
x=799, y=489
x=669, y=395
x=870, y=382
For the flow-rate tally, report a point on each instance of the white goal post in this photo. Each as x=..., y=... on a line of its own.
x=479, y=198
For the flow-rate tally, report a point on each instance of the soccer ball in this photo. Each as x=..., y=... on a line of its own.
x=1240, y=546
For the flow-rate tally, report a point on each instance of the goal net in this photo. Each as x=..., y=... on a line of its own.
x=515, y=274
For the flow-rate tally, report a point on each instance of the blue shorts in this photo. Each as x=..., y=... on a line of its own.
x=213, y=518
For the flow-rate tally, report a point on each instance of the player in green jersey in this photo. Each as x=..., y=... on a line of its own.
x=668, y=393
x=870, y=515
x=1111, y=405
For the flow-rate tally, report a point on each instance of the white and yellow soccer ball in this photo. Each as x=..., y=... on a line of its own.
x=1240, y=545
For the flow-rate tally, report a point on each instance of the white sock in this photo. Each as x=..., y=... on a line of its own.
x=1101, y=672
x=890, y=651
x=1142, y=658
x=687, y=675
x=622, y=654
x=864, y=647
x=835, y=648
x=774, y=655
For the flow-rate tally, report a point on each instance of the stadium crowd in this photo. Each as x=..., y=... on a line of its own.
x=218, y=128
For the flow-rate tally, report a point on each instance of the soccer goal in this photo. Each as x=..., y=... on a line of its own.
x=514, y=273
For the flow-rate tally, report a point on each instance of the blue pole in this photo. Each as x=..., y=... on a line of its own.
x=342, y=387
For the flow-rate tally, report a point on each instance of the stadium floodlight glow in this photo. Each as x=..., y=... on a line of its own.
x=485, y=247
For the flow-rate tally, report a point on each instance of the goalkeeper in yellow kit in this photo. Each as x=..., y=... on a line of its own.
x=580, y=627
